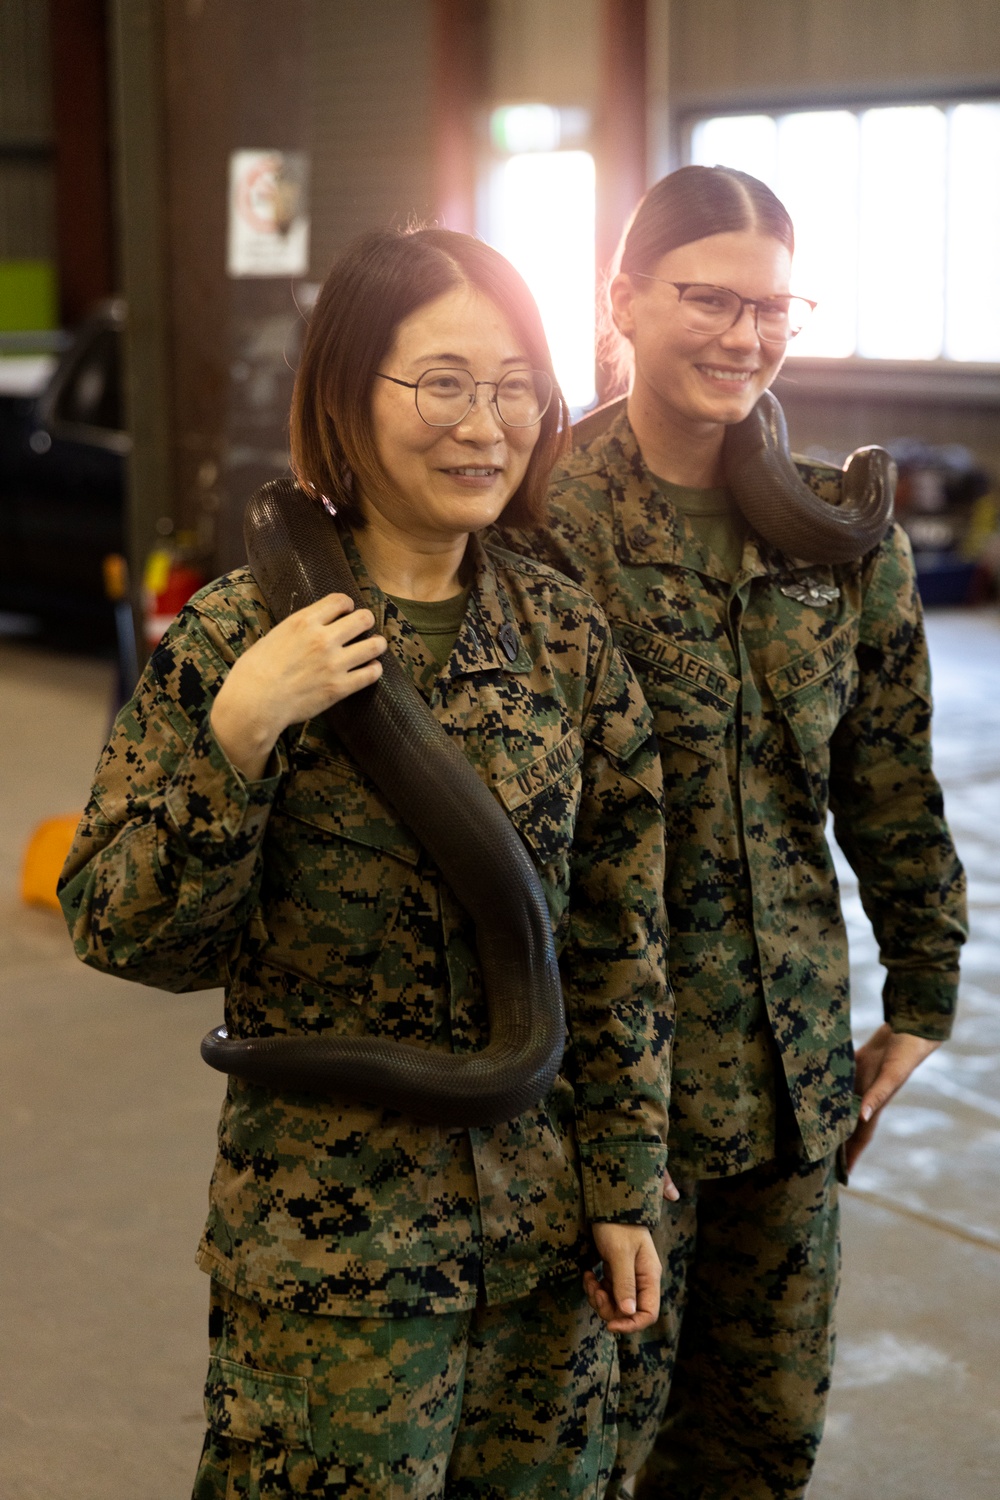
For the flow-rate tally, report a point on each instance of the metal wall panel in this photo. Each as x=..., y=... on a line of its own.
x=736, y=54
x=27, y=210
x=544, y=54
x=370, y=69
x=816, y=50
x=236, y=77
x=25, y=105
x=26, y=145
x=136, y=48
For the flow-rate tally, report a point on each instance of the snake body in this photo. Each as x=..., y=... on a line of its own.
x=765, y=484
x=296, y=557
x=779, y=505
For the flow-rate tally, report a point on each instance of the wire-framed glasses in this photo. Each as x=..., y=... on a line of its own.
x=445, y=397
x=713, y=310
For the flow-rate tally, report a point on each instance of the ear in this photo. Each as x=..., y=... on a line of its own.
x=621, y=294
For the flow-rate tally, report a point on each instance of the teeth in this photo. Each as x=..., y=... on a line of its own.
x=734, y=377
x=478, y=473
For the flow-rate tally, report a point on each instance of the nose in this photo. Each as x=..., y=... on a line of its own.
x=481, y=422
x=743, y=334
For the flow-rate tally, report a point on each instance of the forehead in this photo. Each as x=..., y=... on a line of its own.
x=745, y=260
x=462, y=326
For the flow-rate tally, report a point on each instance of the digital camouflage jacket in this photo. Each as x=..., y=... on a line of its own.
x=788, y=691
x=306, y=897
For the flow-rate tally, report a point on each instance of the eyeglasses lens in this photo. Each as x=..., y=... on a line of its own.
x=445, y=397
x=713, y=310
x=782, y=319
x=523, y=397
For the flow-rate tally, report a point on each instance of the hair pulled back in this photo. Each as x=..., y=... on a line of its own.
x=690, y=204
x=695, y=202
x=380, y=280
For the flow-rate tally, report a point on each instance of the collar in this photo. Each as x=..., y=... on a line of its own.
x=489, y=633
x=490, y=637
x=647, y=529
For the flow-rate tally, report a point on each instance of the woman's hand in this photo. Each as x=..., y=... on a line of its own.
x=881, y=1067
x=627, y=1297
x=309, y=661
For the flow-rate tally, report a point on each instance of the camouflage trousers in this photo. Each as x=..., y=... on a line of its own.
x=725, y=1397
x=515, y=1402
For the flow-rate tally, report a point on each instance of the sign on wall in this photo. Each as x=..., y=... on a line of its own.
x=268, y=213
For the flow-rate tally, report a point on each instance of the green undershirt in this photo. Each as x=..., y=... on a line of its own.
x=713, y=518
x=436, y=621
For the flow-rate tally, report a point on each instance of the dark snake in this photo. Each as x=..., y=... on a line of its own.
x=297, y=557
x=764, y=482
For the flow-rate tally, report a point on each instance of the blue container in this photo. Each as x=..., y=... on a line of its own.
x=943, y=578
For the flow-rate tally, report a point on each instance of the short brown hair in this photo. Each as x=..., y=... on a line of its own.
x=379, y=281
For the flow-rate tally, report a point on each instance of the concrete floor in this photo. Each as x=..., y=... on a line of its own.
x=109, y=1117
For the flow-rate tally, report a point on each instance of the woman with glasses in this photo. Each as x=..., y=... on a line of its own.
x=397, y=1305
x=779, y=689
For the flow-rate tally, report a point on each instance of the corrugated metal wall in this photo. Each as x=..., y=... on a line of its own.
x=370, y=79
x=544, y=53
x=26, y=183
x=368, y=75
x=731, y=50
x=724, y=54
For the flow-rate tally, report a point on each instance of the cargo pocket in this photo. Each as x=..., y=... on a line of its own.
x=542, y=801
x=691, y=730
x=260, y=1439
x=693, y=724
x=691, y=699
x=337, y=862
x=814, y=692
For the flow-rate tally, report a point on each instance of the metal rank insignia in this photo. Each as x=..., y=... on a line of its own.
x=811, y=591
x=509, y=640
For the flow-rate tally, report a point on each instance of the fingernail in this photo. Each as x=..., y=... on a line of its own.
x=628, y=1306
x=671, y=1193
x=866, y=1112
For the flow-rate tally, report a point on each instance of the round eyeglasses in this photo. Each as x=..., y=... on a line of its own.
x=445, y=397
x=713, y=310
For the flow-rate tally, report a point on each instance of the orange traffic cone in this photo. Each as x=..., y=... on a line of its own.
x=44, y=858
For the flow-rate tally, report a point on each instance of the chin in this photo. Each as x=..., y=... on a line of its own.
x=477, y=518
x=721, y=413
x=734, y=409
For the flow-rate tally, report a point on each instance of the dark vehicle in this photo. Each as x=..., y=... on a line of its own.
x=62, y=486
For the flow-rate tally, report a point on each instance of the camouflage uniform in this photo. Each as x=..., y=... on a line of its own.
x=500, y=1402
x=306, y=897
x=776, y=695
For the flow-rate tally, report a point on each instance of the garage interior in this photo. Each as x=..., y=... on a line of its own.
x=119, y=122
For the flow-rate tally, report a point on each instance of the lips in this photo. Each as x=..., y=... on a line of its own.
x=722, y=376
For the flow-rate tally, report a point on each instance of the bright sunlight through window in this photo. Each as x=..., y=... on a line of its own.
x=542, y=217
x=897, y=222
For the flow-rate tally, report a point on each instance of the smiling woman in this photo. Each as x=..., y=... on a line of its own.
x=783, y=690
x=448, y=478
x=692, y=376
x=399, y=1304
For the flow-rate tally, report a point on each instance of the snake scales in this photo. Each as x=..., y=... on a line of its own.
x=296, y=557
x=764, y=482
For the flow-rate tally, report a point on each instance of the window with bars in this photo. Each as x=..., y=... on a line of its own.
x=897, y=222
